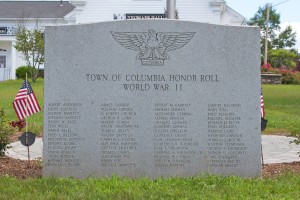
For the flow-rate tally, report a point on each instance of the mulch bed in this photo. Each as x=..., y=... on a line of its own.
x=21, y=169
x=275, y=170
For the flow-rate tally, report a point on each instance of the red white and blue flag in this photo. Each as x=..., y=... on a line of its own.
x=262, y=105
x=25, y=103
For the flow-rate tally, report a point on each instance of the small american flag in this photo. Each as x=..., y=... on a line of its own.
x=25, y=103
x=262, y=105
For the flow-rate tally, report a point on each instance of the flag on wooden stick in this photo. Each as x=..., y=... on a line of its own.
x=25, y=103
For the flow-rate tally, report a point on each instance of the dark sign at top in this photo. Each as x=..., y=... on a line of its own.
x=27, y=139
x=145, y=16
x=3, y=30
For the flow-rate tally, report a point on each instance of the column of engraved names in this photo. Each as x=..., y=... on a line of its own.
x=173, y=147
x=118, y=122
x=225, y=144
x=63, y=134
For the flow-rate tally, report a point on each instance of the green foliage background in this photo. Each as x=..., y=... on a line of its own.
x=31, y=44
x=278, y=40
x=282, y=57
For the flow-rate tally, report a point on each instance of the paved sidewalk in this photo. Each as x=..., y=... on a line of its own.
x=20, y=151
x=276, y=149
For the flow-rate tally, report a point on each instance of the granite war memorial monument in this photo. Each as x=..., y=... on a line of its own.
x=152, y=98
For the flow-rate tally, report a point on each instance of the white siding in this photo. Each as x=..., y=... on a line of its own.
x=103, y=10
x=195, y=10
x=190, y=10
x=231, y=17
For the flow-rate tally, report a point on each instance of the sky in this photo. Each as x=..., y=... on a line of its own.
x=289, y=12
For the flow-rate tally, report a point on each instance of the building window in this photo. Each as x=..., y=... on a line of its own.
x=2, y=61
x=3, y=30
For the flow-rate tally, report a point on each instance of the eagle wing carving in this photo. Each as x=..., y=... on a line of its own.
x=152, y=46
x=173, y=41
x=131, y=40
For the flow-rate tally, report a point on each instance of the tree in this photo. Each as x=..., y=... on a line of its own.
x=286, y=39
x=277, y=39
x=282, y=57
x=259, y=19
x=31, y=44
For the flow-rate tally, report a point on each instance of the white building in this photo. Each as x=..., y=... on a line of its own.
x=30, y=14
x=39, y=14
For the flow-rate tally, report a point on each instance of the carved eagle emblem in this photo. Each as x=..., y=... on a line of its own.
x=152, y=46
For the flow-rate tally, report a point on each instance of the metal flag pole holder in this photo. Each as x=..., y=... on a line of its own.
x=27, y=138
x=25, y=104
x=26, y=120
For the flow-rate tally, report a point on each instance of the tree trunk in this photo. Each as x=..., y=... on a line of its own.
x=34, y=74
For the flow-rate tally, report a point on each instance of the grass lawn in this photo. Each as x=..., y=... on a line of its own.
x=282, y=106
x=199, y=187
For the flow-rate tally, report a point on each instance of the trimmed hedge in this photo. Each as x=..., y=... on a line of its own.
x=21, y=72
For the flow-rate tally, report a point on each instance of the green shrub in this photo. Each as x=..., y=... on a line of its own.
x=291, y=78
x=288, y=76
x=21, y=72
x=297, y=78
x=5, y=131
